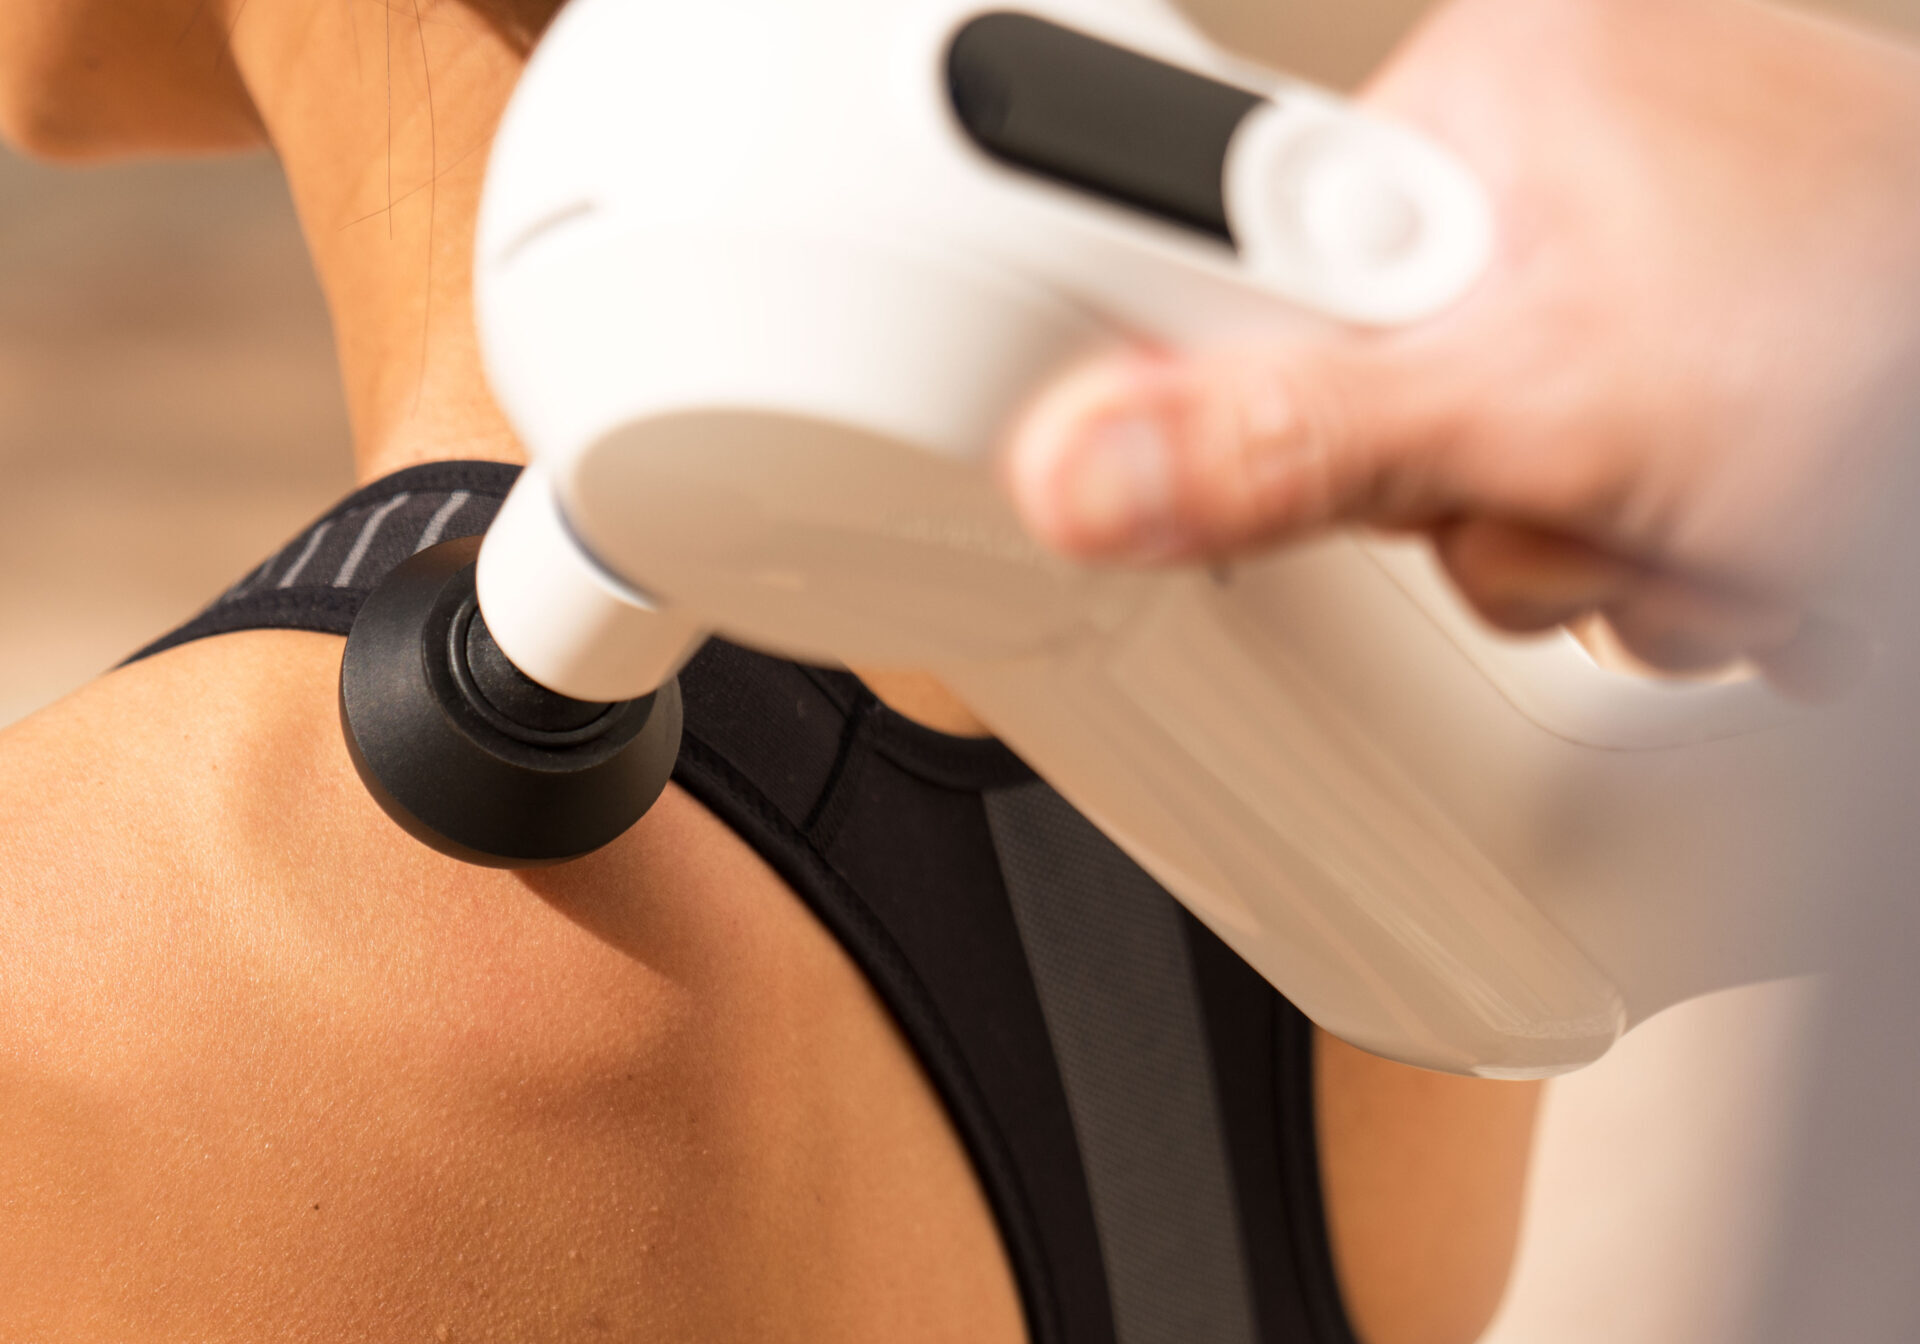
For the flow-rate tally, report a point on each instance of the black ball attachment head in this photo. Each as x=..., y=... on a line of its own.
x=468, y=754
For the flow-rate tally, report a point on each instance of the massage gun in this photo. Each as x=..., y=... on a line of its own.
x=761, y=283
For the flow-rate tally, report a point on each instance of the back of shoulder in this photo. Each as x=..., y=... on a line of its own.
x=161, y=767
x=263, y=1057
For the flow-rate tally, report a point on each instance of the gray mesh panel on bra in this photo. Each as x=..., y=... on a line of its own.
x=1109, y=958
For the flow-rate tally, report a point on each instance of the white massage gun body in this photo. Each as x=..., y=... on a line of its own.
x=761, y=283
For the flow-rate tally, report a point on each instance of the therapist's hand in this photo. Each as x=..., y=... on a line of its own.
x=1667, y=402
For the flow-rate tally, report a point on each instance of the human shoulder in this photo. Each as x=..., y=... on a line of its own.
x=264, y=1057
x=157, y=768
x=205, y=798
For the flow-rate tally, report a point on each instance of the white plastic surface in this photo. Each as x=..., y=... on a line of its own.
x=760, y=311
x=1346, y=214
x=561, y=618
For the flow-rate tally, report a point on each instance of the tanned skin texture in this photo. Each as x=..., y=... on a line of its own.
x=269, y=1069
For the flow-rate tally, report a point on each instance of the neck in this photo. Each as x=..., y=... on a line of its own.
x=382, y=112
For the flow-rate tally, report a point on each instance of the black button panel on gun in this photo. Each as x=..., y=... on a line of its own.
x=1098, y=117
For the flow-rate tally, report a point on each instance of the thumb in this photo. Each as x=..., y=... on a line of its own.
x=1151, y=457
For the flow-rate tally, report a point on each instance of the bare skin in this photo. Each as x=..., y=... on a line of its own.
x=270, y=1069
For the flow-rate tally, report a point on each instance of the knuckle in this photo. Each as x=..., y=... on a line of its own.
x=1296, y=443
x=1250, y=466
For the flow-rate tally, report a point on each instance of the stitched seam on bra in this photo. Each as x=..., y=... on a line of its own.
x=837, y=799
x=851, y=733
x=968, y=764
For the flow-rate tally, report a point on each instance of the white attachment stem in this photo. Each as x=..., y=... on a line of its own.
x=561, y=618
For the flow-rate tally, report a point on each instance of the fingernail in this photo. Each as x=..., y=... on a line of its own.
x=1116, y=489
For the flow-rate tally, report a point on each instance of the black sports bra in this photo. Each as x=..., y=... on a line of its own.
x=1136, y=1101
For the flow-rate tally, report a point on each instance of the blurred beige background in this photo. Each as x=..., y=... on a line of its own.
x=168, y=407
x=168, y=414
